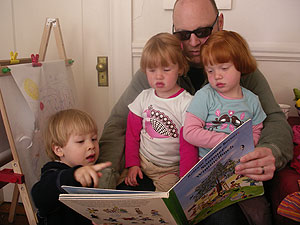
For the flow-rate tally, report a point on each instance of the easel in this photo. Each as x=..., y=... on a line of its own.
x=15, y=175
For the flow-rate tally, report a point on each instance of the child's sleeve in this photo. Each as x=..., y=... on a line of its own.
x=256, y=132
x=258, y=117
x=132, y=143
x=195, y=134
x=45, y=193
x=188, y=155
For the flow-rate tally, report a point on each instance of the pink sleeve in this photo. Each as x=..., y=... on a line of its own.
x=195, y=134
x=188, y=155
x=256, y=132
x=132, y=142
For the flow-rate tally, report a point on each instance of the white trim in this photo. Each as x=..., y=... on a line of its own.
x=120, y=59
x=223, y=4
x=137, y=48
x=168, y=4
x=280, y=56
x=283, y=52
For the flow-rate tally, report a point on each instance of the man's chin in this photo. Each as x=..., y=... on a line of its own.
x=195, y=63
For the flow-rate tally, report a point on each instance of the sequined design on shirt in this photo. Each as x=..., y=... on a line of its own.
x=159, y=125
x=222, y=121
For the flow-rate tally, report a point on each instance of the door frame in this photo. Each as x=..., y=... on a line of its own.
x=120, y=51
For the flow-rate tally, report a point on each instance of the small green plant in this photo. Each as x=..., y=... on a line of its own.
x=297, y=97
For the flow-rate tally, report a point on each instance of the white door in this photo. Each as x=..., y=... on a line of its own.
x=106, y=32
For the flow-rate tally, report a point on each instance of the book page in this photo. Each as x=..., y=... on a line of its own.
x=212, y=184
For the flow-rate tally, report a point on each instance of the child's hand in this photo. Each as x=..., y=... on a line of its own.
x=88, y=175
x=133, y=172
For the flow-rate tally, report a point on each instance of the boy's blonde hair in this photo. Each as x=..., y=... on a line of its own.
x=225, y=46
x=64, y=123
x=160, y=49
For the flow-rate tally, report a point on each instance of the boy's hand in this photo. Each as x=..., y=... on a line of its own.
x=88, y=175
x=133, y=172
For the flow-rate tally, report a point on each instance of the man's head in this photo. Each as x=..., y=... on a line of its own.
x=190, y=15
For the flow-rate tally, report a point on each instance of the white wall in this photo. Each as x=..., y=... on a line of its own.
x=271, y=28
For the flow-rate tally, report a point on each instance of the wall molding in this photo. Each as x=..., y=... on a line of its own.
x=271, y=51
x=137, y=48
x=282, y=52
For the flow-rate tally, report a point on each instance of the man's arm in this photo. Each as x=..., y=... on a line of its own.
x=276, y=134
x=112, y=140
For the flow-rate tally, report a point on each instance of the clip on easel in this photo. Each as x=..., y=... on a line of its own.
x=50, y=23
x=15, y=175
x=4, y=70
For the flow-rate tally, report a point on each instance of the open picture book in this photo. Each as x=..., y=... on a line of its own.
x=209, y=186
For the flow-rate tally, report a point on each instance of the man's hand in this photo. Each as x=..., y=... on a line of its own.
x=133, y=172
x=258, y=165
x=88, y=175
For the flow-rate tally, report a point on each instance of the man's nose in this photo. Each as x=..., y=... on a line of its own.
x=194, y=40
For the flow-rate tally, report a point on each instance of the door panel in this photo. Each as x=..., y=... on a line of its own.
x=6, y=24
x=106, y=32
x=96, y=42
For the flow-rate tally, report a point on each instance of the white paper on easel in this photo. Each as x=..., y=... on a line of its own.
x=46, y=89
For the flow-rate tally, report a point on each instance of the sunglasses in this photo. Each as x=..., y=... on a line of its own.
x=201, y=32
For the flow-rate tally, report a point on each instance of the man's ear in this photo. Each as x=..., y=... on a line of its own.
x=221, y=21
x=57, y=150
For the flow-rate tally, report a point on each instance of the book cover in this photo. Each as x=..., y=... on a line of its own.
x=208, y=187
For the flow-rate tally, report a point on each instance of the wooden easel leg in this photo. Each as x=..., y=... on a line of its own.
x=27, y=204
x=59, y=40
x=45, y=39
x=14, y=202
